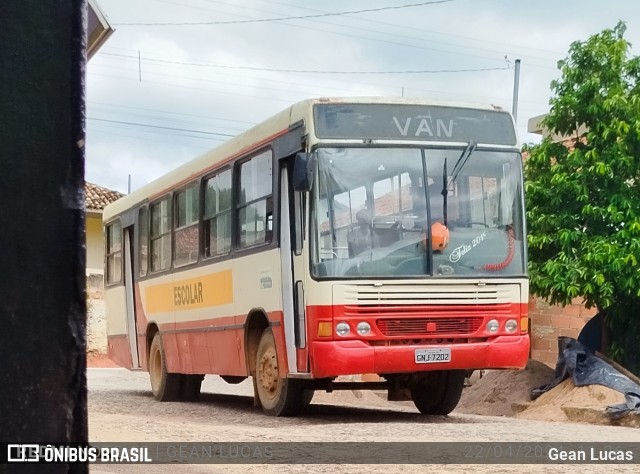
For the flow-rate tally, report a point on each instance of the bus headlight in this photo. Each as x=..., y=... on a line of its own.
x=511, y=325
x=342, y=329
x=363, y=328
x=493, y=326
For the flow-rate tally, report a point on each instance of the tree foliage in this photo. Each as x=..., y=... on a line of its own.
x=583, y=195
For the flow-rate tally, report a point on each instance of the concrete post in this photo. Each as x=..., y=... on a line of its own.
x=42, y=258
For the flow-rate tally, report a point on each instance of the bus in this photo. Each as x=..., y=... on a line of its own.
x=342, y=236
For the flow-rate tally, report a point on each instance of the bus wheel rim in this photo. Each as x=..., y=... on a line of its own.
x=268, y=373
x=156, y=369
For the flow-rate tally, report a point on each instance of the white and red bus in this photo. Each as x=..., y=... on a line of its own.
x=340, y=237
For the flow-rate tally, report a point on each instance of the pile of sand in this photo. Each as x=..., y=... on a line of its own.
x=507, y=393
x=500, y=391
x=566, y=402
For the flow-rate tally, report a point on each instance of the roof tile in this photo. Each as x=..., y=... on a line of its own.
x=97, y=197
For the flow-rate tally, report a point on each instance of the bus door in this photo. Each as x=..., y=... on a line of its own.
x=291, y=231
x=132, y=331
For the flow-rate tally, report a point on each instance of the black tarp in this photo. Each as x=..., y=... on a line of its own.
x=579, y=362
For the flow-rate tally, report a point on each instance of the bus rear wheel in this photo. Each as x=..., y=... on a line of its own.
x=165, y=386
x=438, y=392
x=277, y=396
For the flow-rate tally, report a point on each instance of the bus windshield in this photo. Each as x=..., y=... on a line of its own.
x=400, y=212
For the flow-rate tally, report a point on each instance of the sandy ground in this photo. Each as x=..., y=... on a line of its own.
x=121, y=408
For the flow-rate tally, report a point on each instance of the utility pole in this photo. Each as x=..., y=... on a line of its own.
x=516, y=86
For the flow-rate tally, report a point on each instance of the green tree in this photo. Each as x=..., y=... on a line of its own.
x=583, y=196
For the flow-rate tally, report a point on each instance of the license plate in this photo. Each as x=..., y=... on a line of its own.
x=432, y=356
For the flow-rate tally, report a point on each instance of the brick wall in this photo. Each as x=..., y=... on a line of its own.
x=548, y=322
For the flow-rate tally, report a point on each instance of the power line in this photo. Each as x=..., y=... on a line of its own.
x=422, y=31
x=304, y=87
x=300, y=17
x=368, y=38
x=172, y=112
x=178, y=143
x=122, y=122
x=404, y=27
x=307, y=71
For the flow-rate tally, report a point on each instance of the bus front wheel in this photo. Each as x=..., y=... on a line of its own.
x=278, y=396
x=165, y=386
x=437, y=392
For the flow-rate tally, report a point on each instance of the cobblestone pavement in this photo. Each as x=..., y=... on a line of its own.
x=122, y=409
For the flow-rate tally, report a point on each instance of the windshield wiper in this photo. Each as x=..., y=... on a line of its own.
x=462, y=161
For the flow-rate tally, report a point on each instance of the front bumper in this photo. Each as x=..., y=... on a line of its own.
x=333, y=358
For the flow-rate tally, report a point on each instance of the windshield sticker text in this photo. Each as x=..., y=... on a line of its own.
x=460, y=251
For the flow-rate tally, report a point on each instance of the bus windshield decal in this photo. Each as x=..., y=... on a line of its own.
x=462, y=249
x=414, y=122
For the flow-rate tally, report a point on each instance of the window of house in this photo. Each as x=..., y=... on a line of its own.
x=217, y=214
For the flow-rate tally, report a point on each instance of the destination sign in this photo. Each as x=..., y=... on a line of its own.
x=413, y=122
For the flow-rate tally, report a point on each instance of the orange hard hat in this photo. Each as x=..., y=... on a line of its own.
x=439, y=236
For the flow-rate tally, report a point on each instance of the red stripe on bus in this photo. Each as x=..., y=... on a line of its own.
x=209, y=346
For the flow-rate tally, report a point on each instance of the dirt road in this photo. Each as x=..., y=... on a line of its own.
x=121, y=408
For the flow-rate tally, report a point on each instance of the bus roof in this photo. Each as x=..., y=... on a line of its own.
x=254, y=138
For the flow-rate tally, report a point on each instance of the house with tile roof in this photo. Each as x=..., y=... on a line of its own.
x=96, y=199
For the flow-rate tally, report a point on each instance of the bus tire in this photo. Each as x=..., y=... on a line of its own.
x=307, y=396
x=165, y=386
x=277, y=396
x=190, y=385
x=438, y=392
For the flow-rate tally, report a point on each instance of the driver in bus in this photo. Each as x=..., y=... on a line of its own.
x=359, y=238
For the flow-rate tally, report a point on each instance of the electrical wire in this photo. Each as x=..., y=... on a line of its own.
x=299, y=17
x=308, y=71
x=123, y=122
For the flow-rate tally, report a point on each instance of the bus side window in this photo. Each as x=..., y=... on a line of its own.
x=143, y=241
x=160, y=241
x=114, y=253
x=255, y=201
x=217, y=214
x=186, y=212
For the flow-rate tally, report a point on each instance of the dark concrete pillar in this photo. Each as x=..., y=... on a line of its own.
x=42, y=257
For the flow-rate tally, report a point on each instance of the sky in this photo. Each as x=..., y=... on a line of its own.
x=159, y=95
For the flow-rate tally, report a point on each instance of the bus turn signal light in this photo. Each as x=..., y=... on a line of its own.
x=324, y=329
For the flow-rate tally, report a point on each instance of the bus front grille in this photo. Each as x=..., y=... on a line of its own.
x=426, y=294
x=429, y=326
